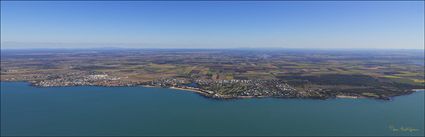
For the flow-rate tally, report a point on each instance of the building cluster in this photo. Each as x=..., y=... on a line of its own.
x=231, y=88
x=276, y=88
x=167, y=82
x=80, y=79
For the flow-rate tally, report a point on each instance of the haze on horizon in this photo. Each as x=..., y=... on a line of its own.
x=212, y=24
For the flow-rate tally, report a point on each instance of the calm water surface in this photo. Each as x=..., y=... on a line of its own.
x=27, y=110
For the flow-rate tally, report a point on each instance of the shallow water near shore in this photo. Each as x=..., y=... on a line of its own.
x=84, y=110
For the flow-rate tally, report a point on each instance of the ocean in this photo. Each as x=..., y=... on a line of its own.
x=128, y=111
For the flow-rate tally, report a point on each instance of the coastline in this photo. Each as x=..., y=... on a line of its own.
x=215, y=95
x=186, y=89
x=349, y=97
x=209, y=93
x=418, y=90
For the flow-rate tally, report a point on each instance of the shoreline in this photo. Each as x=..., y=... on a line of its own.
x=186, y=89
x=218, y=96
x=209, y=95
x=348, y=97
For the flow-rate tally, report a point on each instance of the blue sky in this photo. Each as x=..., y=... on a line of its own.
x=212, y=24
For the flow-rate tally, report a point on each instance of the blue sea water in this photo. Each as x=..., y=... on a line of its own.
x=84, y=110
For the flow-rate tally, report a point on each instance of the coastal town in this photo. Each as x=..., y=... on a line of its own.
x=230, y=88
x=210, y=88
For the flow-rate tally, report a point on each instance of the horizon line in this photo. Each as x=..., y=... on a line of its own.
x=221, y=48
